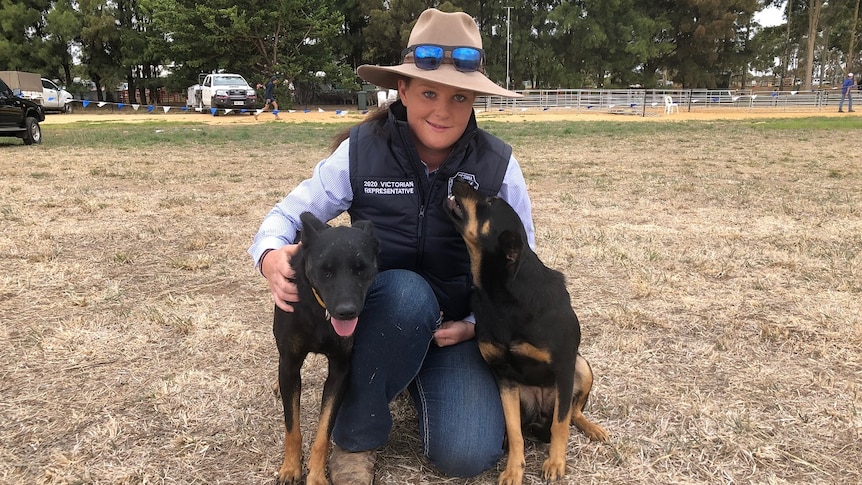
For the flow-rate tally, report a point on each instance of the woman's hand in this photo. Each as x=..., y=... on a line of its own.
x=453, y=332
x=278, y=272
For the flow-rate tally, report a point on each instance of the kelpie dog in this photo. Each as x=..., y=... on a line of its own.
x=334, y=269
x=527, y=331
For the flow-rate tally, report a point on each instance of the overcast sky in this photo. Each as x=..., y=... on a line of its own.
x=769, y=17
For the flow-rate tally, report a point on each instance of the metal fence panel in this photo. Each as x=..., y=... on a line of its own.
x=652, y=102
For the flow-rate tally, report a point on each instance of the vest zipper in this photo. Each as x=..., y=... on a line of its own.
x=421, y=243
x=423, y=202
x=425, y=196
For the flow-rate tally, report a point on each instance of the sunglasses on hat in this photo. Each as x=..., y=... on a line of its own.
x=431, y=56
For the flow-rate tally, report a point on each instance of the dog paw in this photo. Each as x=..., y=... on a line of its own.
x=316, y=479
x=597, y=433
x=592, y=430
x=289, y=475
x=553, y=470
x=511, y=477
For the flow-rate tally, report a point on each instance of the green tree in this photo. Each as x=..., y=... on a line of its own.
x=611, y=43
x=22, y=34
x=63, y=31
x=553, y=43
x=100, y=46
x=852, y=56
x=388, y=30
x=707, y=40
x=765, y=46
x=814, y=7
x=350, y=45
x=253, y=37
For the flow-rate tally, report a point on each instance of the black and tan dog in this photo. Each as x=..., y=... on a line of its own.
x=527, y=331
x=334, y=269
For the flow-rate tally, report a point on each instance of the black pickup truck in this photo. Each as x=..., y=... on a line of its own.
x=20, y=117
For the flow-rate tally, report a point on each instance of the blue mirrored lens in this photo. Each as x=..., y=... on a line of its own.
x=428, y=56
x=466, y=58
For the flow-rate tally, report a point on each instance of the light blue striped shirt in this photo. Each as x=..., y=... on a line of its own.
x=328, y=193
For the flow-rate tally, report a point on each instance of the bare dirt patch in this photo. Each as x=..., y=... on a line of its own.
x=716, y=273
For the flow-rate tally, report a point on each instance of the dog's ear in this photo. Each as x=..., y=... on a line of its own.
x=511, y=245
x=311, y=226
x=368, y=228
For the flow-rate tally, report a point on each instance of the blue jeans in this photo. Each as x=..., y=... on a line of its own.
x=457, y=401
x=849, y=97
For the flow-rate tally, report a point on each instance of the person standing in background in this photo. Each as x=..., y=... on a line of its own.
x=846, y=92
x=269, y=96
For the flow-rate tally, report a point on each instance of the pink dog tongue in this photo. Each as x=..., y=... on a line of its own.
x=344, y=328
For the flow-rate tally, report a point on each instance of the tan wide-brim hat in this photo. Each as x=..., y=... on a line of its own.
x=446, y=29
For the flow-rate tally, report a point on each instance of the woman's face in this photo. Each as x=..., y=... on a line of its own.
x=437, y=115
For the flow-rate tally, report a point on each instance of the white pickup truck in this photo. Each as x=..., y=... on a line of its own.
x=221, y=91
x=55, y=98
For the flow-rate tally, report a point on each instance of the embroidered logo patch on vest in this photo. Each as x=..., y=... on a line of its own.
x=467, y=177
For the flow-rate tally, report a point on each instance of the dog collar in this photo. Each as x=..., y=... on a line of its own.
x=320, y=301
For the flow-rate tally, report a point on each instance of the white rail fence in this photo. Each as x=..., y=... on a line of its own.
x=652, y=102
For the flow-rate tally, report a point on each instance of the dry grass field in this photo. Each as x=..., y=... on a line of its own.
x=716, y=267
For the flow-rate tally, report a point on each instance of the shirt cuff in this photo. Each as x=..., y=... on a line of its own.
x=259, y=247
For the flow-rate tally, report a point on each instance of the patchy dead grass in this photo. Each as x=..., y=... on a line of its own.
x=717, y=273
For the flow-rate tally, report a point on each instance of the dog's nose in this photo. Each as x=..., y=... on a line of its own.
x=344, y=311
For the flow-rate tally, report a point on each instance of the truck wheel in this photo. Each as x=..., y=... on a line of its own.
x=33, y=135
x=68, y=108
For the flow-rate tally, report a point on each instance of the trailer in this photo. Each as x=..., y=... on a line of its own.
x=27, y=85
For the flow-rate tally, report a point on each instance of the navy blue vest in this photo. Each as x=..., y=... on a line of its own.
x=391, y=189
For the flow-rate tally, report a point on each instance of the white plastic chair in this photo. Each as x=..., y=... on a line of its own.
x=669, y=105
